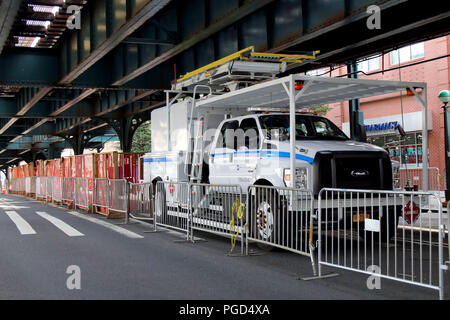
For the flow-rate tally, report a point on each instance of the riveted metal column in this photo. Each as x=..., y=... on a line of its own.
x=355, y=115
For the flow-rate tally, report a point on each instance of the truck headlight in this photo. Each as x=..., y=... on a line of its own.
x=301, y=175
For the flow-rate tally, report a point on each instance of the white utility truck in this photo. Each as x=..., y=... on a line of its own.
x=240, y=133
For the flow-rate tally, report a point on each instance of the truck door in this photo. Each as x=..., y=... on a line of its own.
x=221, y=166
x=248, y=148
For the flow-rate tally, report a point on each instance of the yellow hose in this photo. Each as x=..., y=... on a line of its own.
x=239, y=210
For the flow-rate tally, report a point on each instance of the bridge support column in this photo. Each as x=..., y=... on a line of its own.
x=357, y=129
x=78, y=142
x=125, y=129
x=54, y=153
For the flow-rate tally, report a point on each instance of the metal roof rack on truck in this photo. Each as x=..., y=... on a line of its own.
x=240, y=70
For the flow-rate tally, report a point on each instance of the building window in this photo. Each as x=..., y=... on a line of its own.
x=370, y=64
x=408, y=151
x=408, y=53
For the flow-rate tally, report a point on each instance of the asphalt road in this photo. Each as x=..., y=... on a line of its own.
x=123, y=262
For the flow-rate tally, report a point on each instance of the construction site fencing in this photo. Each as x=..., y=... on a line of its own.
x=280, y=217
x=366, y=231
x=219, y=209
x=141, y=201
x=172, y=207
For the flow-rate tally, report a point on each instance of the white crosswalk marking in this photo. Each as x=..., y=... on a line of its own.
x=21, y=224
x=122, y=231
x=61, y=225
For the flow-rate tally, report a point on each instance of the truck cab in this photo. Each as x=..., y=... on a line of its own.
x=255, y=150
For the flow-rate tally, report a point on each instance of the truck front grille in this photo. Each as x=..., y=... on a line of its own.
x=352, y=170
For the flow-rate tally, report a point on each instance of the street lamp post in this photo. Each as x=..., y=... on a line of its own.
x=444, y=96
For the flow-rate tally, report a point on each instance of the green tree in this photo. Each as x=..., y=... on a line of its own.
x=142, y=139
x=321, y=110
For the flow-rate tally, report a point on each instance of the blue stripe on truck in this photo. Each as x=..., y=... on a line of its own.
x=267, y=154
x=264, y=154
x=163, y=159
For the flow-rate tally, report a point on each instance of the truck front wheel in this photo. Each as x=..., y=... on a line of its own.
x=264, y=217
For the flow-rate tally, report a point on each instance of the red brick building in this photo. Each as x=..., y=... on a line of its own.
x=380, y=111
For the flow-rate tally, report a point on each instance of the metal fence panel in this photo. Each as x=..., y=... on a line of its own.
x=41, y=188
x=172, y=208
x=30, y=185
x=219, y=209
x=367, y=232
x=81, y=191
x=118, y=195
x=141, y=201
x=56, y=189
x=68, y=190
x=101, y=193
x=49, y=194
x=18, y=186
x=280, y=217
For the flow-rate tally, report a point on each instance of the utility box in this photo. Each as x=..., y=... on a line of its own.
x=169, y=160
x=179, y=122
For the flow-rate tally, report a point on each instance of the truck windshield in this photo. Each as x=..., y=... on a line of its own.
x=307, y=127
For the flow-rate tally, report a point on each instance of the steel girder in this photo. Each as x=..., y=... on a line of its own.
x=8, y=12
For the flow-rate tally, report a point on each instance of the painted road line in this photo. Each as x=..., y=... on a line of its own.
x=110, y=226
x=21, y=224
x=61, y=225
x=8, y=205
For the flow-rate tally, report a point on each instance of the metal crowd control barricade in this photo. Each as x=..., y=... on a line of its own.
x=57, y=189
x=118, y=197
x=141, y=201
x=33, y=186
x=172, y=207
x=81, y=192
x=41, y=188
x=13, y=186
x=281, y=217
x=68, y=191
x=367, y=232
x=49, y=195
x=19, y=186
x=218, y=209
x=100, y=200
x=30, y=186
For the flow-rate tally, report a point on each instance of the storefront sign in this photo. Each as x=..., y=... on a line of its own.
x=381, y=126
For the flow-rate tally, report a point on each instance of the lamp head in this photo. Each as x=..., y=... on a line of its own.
x=444, y=96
